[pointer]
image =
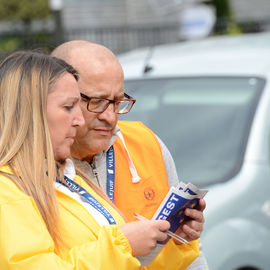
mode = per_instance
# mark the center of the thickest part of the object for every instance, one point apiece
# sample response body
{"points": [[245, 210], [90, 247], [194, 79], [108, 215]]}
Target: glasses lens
{"points": [[97, 104], [123, 106]]}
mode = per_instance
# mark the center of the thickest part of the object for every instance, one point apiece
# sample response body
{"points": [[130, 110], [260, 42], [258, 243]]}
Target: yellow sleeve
{"points": [[26, 244], [175, 257]]}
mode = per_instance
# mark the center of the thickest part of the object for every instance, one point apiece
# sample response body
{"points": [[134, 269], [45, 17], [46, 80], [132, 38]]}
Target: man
{"points": [[137, 171]]}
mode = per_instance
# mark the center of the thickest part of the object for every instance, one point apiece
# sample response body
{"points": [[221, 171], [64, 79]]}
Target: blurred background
{"points": [[200, 73], [123, 25]]}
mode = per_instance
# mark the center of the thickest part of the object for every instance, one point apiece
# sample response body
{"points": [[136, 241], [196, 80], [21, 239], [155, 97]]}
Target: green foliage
{"points": [[9, 44], [25, 10], [233, 29], [223, 8], [225, 22]]}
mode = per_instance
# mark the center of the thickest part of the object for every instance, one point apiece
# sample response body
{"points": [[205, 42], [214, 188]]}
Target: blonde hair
{"points": [[25, 144]]}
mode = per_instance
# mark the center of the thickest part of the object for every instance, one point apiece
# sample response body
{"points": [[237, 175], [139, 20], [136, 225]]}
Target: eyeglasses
{"points": [[99, 105]]}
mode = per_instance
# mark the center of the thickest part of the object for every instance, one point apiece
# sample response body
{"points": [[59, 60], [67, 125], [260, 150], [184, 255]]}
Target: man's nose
{"points": [[108, 115], [79, 119]]}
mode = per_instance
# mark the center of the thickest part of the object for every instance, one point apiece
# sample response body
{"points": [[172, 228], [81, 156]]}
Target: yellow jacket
{"points": [[26, 244]]}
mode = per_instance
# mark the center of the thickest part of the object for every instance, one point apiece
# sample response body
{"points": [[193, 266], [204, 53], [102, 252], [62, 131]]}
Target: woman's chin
{"points": [[61, 161], [62, 157]]}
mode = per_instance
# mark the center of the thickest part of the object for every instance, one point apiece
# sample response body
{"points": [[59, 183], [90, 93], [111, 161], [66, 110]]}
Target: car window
{"points": [[204, 122]]}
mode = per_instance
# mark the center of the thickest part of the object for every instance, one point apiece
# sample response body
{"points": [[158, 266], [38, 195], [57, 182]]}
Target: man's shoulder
{"points": [[130, 124], [128, 127], [137, 134]]}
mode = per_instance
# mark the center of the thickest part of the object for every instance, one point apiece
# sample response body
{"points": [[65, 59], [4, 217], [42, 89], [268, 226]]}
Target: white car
{"points": [[209, 101]]}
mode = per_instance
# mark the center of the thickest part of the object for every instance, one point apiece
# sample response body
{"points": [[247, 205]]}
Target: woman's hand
{"points": [[143, 235]]}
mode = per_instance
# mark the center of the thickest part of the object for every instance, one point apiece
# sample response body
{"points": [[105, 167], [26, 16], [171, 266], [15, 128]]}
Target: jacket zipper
{"points": [[94, 169]]}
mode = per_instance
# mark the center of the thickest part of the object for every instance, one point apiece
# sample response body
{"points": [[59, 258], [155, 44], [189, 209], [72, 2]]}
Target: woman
{"points": [[43, 224]]}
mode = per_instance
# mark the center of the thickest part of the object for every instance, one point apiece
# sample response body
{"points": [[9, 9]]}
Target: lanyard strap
{"points": [[87, 197], [110, 166]]}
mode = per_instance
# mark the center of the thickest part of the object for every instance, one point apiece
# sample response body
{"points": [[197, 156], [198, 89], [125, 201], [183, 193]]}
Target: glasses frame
{"points": [[111, 101]]}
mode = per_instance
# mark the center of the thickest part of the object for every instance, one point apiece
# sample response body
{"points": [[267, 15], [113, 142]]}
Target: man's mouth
{"points": [[103, 131]]}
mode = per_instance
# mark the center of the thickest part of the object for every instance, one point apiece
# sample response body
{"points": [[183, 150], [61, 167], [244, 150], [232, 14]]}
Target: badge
{"points": [[149, 193]]}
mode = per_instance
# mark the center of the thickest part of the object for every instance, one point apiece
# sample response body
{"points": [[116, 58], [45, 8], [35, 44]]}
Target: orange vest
{"points": [[145, 196]]}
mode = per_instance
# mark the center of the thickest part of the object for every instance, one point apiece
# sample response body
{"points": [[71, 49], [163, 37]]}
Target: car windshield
{"points": [[204, 122]]}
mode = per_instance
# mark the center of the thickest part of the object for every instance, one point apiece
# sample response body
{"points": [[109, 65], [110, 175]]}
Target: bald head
{"points": [[86, 56], [100, 76]]}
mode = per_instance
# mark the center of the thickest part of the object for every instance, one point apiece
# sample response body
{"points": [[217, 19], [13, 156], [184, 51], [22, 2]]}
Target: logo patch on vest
{"points": [[149, 193]]}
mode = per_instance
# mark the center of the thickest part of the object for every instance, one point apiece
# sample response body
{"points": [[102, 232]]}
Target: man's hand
{"points": [[192, 228]]}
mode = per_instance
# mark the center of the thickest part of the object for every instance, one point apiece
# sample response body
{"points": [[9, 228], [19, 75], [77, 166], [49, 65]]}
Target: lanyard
{"points": [[110, 166], [87, 197]]}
